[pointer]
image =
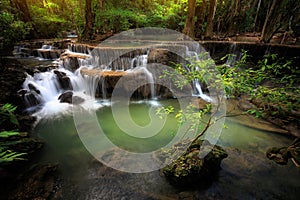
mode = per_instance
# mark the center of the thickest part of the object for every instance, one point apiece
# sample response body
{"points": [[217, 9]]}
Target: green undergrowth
{"points": [[9, 135], [272, 85]]}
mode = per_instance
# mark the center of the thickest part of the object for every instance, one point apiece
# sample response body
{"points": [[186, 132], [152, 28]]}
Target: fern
{"points": [[9, 156], [6, 134], [7, 112]]}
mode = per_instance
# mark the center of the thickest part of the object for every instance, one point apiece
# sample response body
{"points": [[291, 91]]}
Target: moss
{"points": [[189, 169]]}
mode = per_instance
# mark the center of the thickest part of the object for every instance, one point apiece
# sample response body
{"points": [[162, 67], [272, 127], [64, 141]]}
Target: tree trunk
{"points": [[100, 2], [190, 20], [266, 34], [89, 21], [256, 15], [210, 20], [200, 16]]}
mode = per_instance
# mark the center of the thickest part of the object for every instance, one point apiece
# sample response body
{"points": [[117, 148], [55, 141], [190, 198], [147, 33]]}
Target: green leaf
{"points": [[6, 134]]}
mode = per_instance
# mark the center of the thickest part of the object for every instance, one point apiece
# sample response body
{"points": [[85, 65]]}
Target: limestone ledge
{"points": [[101, 73]]}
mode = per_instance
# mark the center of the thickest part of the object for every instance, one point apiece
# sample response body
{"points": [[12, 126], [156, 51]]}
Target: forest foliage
{"points": [[197, 18]]}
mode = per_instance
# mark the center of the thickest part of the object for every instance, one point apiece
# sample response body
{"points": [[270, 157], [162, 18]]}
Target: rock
{"points": [[49, 53], [22, 92], [165, 57], [71, 60], [67, 97], [30, 99], [33, 88], [77, 100], [191, 170], [63, 80]]}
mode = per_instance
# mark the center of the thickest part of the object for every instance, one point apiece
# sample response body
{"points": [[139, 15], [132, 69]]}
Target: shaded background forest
{"points": [[97, 19]]}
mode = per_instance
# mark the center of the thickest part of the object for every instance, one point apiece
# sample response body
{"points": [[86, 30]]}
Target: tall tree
{"points": [[190, 20], [210, 19], [89, 20], [200, 13]]}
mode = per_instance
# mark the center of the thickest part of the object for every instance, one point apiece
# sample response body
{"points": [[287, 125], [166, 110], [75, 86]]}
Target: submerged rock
{"points": [[191, 170]]}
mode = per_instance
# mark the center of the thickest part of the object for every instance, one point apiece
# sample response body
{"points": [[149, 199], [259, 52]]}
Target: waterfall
{"points": [[139, 64], [234, 55], [48, 90], [55, 91], [193, 57]]}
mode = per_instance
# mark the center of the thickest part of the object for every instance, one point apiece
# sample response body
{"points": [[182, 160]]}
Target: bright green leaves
{"points": [[6, 134], [9, 156], [271, 84], [9, 138], [7, 113], [163, 111]]}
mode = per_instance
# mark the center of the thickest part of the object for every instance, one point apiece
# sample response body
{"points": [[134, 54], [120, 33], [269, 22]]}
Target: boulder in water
{"points": [[33, 88], [22, 92], [28, 97], [31, 99], [67, 97], [191, 170], [63, 80]]}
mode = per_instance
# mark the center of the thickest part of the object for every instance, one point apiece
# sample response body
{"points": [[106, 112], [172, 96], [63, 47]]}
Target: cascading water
{"points": [[49, 88], [139, 64], [48, 92], [234, 55], [194, 58]]}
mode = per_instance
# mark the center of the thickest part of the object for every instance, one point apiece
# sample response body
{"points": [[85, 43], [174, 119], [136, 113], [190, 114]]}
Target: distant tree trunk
{"points": [[256, 15], [200, 16], [272, 22], [100, 2], [89, 21], [269, 13], [210, 20], [190, 20]]}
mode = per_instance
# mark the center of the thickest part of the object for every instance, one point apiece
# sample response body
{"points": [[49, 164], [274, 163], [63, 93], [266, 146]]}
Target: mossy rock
{"points": [[191, 170]]}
